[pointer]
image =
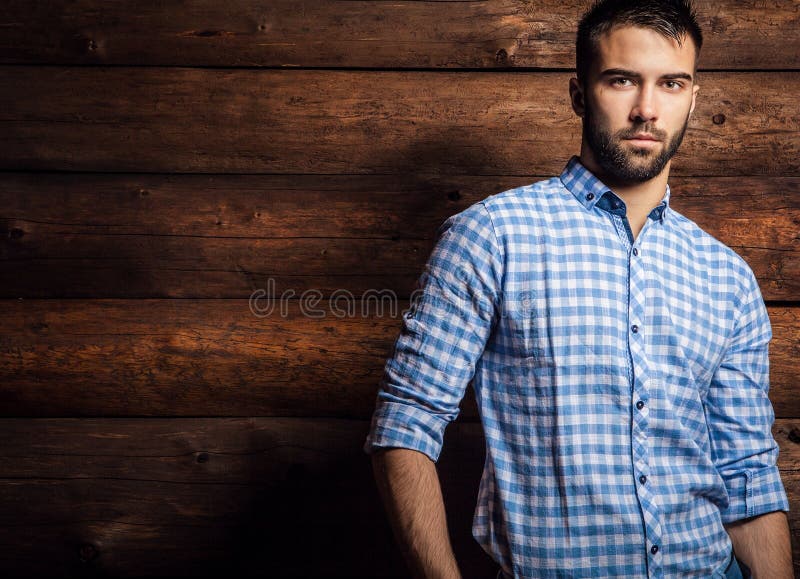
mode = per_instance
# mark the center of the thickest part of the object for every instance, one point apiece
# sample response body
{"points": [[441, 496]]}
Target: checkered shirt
{"points": [[622, 383]]}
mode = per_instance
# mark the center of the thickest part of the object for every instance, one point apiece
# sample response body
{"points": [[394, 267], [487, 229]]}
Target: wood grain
{"points": [[360, 122], [191, 498], [198, 150], [198, 496], [224, 236], [216, 358], [374, 34]]}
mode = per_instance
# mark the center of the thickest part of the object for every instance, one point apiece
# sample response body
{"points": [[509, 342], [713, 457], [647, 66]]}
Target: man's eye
{"points": [[620, 81], [673, 84]]}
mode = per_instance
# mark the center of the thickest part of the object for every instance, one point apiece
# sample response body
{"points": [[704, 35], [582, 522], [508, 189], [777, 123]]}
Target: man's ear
{"points": [[695, 88], [577, 97]]}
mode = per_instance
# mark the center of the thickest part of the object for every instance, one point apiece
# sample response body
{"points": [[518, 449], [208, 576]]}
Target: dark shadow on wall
{"points": [[323, 517]]}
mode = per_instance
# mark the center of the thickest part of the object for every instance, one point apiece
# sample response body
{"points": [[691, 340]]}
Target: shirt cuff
{"points": [[754, 492], [399, 425]]}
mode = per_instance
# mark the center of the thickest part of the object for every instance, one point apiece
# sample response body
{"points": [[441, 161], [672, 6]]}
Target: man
{"points": [[619, 353]]}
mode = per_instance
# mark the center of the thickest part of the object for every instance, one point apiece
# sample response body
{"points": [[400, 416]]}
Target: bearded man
{"points": [[618, 352]]}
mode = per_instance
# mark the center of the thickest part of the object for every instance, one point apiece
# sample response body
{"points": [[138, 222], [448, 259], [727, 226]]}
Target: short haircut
{"points": [[670, 18]]}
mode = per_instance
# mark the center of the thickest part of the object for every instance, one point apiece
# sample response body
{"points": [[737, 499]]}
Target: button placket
{"points": [[637, 344]]}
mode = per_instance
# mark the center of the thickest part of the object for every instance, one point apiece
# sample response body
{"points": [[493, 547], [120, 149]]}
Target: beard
{"points": [[626, 164]]}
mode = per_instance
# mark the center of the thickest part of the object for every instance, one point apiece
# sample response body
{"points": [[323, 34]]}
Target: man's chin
{"points": [[643, 159], [636, 168]]}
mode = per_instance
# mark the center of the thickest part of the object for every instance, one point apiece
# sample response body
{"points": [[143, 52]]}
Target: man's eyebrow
{"points": [[634, 74], [676, 75], [620, 72]]}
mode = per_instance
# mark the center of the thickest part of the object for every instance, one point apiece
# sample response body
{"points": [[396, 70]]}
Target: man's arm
{"points": [[740, 418], [763, 544], [441, 341], [409, 486]]}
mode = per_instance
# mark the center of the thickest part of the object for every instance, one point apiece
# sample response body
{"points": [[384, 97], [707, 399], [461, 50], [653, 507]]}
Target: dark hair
{"points": [[670, 18]]}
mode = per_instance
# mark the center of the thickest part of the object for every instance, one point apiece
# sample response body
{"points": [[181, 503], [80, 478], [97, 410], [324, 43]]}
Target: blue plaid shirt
{"points": [[621, 383]]}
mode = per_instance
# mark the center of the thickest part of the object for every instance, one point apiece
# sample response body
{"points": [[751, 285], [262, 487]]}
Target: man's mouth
{"points": [[643, 140], [642, 137]]}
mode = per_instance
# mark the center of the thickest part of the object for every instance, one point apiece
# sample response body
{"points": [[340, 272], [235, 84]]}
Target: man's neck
{"points": [[640, 197]]}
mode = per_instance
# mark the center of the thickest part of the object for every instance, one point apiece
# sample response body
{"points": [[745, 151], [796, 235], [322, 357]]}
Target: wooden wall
{"points": [[161, 161]]}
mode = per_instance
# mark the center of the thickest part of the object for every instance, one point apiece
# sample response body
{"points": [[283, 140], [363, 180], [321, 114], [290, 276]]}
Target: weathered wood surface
{"points": [[216, 358], [274, 496], [201, 497], [356, 170], [323, 122], [224, 236], [319, 33]]}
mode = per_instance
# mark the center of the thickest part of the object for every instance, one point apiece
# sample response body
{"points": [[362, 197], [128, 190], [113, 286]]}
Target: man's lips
{"points": [[643, 140], [642, 137]]}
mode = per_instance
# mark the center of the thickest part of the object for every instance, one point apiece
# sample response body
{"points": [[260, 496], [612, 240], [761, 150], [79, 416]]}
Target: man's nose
{"points": [[644, 109]]}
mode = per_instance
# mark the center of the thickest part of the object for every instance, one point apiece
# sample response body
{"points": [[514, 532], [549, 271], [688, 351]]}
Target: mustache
{"points": [[659, 134]]}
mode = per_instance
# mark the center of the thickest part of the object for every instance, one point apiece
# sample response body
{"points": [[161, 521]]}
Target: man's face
{"points": [[639, 95]]}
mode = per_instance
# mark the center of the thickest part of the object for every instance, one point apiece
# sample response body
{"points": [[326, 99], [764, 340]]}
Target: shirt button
{"points": [[635, 251], [589, 196], [642, 479], [635, 329], [654, 549], [640, 405]]}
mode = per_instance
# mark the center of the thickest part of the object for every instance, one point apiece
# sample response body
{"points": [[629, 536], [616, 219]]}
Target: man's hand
{"points": [[409, 486], [763, 544]]}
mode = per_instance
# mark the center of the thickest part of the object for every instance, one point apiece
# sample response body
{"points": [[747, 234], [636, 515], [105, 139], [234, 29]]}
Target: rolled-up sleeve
{"points": [[740, 415], [443, 334]]}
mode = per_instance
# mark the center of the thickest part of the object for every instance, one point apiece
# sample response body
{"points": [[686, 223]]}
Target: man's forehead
{"points": [[632, 47]]}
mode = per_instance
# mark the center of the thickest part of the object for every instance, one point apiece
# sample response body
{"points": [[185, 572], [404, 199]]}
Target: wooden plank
{"points": [[216, 358], [192, 498], [205, 495], [149, 496], [182, 357], [784, 355], [224, 236], [501, 33], [333, 122]]}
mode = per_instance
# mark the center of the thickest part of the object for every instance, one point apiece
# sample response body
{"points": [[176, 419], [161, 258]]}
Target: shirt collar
{"points": [[588, 189]]}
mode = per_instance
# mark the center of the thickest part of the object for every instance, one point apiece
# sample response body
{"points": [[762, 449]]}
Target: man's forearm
{"points": [[409, 486], [763, 544]]}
